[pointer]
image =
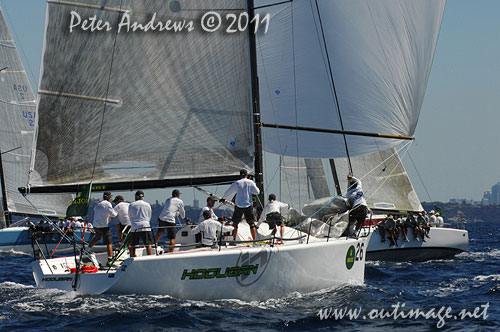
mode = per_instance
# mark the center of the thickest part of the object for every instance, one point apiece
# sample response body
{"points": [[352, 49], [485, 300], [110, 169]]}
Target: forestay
{"points": [[171, 104], [17, 126], [379, 54]]}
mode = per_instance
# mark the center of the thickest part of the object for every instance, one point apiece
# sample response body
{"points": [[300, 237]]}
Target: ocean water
{"points": [[470, 280]]}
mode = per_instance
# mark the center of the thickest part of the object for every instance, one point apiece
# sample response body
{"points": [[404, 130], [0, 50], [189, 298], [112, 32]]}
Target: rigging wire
{"points": [[364, 176], [295, 101], [333, 84], [421, 180], [407, 146], [106, 95], [273, 112]]}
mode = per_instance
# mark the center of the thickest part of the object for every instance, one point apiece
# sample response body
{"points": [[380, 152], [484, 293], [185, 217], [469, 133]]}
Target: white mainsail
{"points": [[171, 104], [379, 54], [17, 127]]}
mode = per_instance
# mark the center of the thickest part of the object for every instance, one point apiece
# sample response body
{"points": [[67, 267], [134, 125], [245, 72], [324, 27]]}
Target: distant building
{"points": [[486, 198], [495, 194], [492, 197]]}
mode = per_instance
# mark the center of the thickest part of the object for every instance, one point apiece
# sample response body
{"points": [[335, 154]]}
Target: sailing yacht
{"points": [[389, 192], [152, 110], [350, 72], [17, 128]]}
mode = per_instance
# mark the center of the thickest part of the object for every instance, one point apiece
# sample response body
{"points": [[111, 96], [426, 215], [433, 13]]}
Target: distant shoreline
{"points": [[470, 213]]}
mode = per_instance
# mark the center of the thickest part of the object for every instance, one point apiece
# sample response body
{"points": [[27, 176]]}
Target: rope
{"points": [[387, 178], [335, 97]]}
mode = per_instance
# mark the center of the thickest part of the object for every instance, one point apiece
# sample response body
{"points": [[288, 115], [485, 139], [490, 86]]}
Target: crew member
{"points": [[121, 209], [210, 205], [243, 188], [174, 207], [140, 216], [440, 220], [272, 215], [433, 222], [210, 229], [103, 211], [357, 204]]}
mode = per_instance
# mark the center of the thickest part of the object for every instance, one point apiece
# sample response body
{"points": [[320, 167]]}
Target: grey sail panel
{"points": [[380, 56], [3, 222], [384, 179], [178, 103], [17, 126], [302, 181]]}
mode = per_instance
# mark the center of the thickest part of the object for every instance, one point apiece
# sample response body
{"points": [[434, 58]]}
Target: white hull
{"points": [[249, 273], [443, 242]]}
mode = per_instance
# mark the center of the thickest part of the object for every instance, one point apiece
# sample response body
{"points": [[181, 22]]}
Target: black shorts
{"points": [[358, 214], [104, 233], [239, 212], [170, 228], [274, 219], [124, 228], [146, 237]]}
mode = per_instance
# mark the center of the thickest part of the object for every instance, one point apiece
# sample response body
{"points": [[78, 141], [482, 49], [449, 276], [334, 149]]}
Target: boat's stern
{"points": [[59, 273]]}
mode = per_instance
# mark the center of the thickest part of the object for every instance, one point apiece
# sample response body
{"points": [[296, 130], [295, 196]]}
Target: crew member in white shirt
{"points": [[440, 220], [140, 216], [174, 207], [243, 188], [272, 215], [210, 204], [103, 211], [433, 221], [121, 209], [210, 229]]}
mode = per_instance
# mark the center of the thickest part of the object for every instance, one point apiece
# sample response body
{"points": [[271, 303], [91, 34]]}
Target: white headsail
{"points": [[17, 127]]}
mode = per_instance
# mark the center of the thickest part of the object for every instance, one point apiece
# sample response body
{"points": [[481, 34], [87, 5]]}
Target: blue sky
{"points": [[457, 139]]}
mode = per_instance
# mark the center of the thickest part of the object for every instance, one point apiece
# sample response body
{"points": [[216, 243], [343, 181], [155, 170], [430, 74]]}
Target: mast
{"points": [[335, 176], [259, 178], [8, 216]]}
